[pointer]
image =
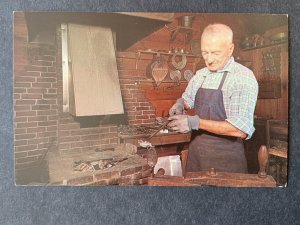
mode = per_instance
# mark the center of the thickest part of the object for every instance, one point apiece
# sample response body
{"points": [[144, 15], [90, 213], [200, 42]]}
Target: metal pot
{"points": [[186, 21]]}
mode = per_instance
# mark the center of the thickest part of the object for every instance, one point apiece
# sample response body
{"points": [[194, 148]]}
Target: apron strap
{"points": [[222, 81], [202, 82]]}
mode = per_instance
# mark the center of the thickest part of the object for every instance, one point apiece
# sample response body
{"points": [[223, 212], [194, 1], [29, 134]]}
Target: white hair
{"points": [[219, 29]]}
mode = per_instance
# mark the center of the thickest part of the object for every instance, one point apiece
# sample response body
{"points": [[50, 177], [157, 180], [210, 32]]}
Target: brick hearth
{"points": [[132, 171]]}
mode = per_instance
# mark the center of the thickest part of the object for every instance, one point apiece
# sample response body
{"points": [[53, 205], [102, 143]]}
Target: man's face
{"points": [[216, 51]]}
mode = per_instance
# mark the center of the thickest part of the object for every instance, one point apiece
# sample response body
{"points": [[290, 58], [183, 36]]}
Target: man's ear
{"points": [[231, 48]]}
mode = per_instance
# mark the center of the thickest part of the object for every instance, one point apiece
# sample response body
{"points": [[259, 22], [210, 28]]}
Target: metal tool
{"points": [[161, 127]]}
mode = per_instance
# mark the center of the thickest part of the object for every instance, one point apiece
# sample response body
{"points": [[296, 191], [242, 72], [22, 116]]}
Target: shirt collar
{"points": [[228, 67]]}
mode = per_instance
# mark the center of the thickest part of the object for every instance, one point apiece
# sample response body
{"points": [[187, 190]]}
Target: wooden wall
{"points": [[276, 108], [159, 40], [266, 108]]}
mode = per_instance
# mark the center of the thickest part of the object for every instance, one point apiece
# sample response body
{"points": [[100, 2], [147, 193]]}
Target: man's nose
{"points": [[209, 58]]}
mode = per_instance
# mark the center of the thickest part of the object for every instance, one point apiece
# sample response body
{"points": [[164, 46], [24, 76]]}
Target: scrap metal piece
{"points": [[175, 75], [188, 74]]}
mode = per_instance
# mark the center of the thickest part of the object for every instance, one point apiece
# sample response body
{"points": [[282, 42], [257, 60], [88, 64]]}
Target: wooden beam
{"points": [[168, 17]]}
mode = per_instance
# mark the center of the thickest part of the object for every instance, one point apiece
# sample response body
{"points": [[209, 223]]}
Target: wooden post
{"points": [[263, 157]]}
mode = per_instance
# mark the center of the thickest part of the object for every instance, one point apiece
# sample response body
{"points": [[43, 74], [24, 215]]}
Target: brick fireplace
{"points": [[40, 123], [41, 126]]}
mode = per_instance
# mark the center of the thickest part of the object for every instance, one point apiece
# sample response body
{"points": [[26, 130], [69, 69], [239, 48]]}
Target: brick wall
{"points": [[40, 122], [35, 104], [35, 97], [138, 108]]}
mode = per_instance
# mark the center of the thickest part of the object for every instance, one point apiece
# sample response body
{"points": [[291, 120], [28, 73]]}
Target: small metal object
{"points": [[138, 55], [195, 47], [181, 64], [175, 75], [212, 172], [152, 158], [160, 172], [188, 74], [159, 70], [186, 21], [279, 37]]}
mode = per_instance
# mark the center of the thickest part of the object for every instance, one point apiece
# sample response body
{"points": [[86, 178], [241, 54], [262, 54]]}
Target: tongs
{"points": [[159, 129]]}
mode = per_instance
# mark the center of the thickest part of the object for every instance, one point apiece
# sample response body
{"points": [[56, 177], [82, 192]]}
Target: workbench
{"points": [[205, 178], [165, 143], [219, 178]]}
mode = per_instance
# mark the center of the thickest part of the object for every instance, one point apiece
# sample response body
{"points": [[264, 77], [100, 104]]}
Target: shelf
{"points": [[280, 152], [264, 46], [164, 53], [167, 82]]}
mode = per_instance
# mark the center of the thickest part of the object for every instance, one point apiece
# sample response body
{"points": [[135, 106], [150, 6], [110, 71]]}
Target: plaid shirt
{"points": [[240, 91]]}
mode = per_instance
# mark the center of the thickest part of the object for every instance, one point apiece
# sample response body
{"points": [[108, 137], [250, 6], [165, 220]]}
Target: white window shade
{"points": [[94, 82]]}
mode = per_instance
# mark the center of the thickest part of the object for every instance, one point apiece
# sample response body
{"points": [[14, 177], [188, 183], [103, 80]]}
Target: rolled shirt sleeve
{"points": [[242, 103]]}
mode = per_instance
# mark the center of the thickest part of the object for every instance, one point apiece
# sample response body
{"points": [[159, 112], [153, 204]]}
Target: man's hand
{"points": [[177, 108], [184, 123]]}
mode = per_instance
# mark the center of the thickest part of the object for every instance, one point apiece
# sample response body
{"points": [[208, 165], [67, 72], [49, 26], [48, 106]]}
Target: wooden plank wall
{"points": [[159, 40], [276, 108]]}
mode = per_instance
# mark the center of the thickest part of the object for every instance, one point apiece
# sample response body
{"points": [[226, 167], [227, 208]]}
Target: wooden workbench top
{"points": [[158, 139], [204, 178]]}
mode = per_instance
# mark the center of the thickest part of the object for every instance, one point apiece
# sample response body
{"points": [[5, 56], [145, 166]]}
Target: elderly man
{"points": [[224, 96]]}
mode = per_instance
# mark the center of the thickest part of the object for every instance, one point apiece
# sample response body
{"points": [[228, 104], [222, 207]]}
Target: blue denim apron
{"points": [[208, 150]]}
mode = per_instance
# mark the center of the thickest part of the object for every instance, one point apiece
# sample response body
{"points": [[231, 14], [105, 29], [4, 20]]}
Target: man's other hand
{"points": [[184, 123]]}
